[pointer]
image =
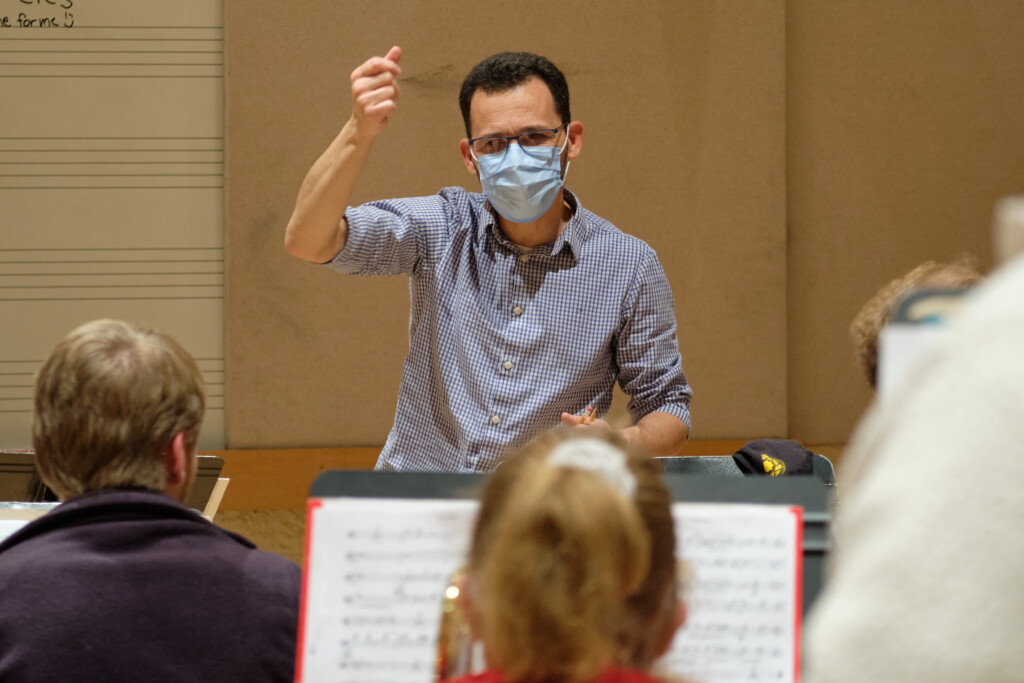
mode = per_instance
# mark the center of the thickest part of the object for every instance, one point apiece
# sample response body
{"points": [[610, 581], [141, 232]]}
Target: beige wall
{"points": [[879, 133], [903, 128], [683, 110]]}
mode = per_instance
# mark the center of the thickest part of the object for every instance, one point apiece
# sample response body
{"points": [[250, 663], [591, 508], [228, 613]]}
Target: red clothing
{"points": [[611, 675]]}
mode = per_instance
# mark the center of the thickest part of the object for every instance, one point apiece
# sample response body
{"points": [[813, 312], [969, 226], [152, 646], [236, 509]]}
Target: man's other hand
{"points": [[375, 92]]}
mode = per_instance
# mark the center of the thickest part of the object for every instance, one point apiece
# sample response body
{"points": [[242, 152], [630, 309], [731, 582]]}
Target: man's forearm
{"points": [[659, 433], [317, 230]]}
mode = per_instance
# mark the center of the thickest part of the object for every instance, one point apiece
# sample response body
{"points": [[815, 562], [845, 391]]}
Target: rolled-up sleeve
{"points": [[393, 236], [650, 367]]}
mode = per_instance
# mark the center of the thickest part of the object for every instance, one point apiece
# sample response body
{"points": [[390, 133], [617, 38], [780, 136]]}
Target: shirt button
{"points": [[508, 365], [517, 310], [495, 419], [526, 258]]}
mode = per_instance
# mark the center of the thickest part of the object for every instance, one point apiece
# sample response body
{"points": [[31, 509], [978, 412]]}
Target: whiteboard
{"points": [[111, 183]]}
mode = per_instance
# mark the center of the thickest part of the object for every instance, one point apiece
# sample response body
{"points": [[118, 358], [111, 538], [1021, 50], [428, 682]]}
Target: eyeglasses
{"points": [[534, 139]]}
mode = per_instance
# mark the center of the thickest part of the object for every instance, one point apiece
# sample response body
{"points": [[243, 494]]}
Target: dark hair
{"points": [[505, 71]]}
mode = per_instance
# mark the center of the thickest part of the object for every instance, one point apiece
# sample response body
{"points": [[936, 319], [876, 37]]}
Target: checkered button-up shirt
{"points": [[503, 340]]}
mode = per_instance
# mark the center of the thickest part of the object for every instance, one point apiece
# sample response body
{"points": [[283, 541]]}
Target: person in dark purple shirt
{"points": [[121, 581]]}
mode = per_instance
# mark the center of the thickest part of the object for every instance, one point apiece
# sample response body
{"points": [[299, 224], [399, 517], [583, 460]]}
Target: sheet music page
{"points": [[377, 571], [743, 604], [9, 526], [901, 348], [111, 183]]}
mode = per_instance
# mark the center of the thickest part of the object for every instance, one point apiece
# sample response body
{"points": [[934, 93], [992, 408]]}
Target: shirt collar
{"points": [[573, 234], [575, 229]]}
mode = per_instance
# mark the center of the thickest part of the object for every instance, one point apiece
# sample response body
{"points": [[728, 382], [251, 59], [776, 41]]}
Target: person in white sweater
{"points": [[926, 582]]}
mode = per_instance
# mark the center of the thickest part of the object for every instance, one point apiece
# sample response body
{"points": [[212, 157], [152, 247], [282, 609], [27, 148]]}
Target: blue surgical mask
{"points": [[522, 185]]}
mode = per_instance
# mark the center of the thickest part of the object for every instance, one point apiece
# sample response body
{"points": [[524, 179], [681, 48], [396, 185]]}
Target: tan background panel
{"points": [[683, 108], [903, 127], [784, 158]]}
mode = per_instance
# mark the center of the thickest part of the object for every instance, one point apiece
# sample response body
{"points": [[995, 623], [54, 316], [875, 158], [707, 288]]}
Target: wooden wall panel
{"points": [[903, 128], [683, 105]]}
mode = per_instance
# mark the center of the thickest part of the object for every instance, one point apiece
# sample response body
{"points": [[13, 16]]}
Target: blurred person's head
{"points": [[117, 406], [876, 313], [572, 567]]}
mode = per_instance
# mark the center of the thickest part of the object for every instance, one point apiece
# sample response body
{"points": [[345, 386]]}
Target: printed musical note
{"points": [[743, 605], [378, 567], [378, 570]]}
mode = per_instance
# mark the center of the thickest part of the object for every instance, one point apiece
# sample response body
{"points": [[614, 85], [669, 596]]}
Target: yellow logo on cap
{"points": [[773, 466]]}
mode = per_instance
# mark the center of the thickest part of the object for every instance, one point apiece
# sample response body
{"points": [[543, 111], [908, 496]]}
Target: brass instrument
{"points": [[455, 643]]}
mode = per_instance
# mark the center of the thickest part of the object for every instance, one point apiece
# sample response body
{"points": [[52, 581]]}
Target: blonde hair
{"points": [[108, 402], [568, 575], [876, 312]]}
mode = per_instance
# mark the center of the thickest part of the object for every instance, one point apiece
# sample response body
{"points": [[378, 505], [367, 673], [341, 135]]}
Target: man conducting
{"points": [[120, 582], [525, 307]]}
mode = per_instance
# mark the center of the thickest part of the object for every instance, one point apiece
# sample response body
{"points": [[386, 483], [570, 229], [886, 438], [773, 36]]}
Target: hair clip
{"points": [[599, 457]]}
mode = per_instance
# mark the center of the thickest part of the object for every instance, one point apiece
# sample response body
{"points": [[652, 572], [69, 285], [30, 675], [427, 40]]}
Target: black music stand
{"points": [[810, 493]]}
